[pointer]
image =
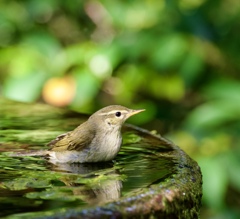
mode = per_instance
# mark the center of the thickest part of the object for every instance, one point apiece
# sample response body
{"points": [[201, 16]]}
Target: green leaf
{"points": [[215, 181]]}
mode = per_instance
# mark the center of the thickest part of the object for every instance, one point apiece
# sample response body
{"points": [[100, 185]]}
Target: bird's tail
{"points": [[32, 153]]}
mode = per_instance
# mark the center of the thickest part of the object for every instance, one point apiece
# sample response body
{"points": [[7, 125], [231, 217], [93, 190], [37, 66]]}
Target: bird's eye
{"points": [[118, 114]]}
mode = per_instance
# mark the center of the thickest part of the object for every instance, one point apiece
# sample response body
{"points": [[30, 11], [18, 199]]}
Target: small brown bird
{"points": [[96, 140]]}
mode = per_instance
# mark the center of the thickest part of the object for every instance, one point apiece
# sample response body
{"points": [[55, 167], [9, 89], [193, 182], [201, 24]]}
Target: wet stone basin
{"points": [[150, 178]]}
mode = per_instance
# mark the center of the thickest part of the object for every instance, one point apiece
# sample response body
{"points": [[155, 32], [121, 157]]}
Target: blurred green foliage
{"points": [[178, 59]]}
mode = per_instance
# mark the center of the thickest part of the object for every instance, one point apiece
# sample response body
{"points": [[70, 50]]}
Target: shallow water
{"points": [[31, 184]]}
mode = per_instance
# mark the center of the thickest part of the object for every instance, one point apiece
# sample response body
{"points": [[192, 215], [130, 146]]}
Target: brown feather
{"points": [[77, 140]]}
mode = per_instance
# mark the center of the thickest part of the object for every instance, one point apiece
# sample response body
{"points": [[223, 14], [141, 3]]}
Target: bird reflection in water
{"points": [[102, 181]]}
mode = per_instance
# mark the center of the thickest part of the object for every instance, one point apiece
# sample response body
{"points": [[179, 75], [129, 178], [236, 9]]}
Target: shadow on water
{"points": [[32, 186]]}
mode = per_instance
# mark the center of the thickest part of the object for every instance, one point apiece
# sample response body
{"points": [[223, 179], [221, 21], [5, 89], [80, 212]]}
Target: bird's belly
{"points": [[67, 157]]}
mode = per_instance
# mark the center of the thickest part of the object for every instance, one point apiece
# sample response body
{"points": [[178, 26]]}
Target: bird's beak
{"points": [[133, 112]]}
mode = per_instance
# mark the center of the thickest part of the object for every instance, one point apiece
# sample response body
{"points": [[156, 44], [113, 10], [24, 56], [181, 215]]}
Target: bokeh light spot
{"points": [[59, 91]]}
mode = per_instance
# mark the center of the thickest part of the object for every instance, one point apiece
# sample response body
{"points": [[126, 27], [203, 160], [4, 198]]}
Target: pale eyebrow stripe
{"points": [[113, 112]]}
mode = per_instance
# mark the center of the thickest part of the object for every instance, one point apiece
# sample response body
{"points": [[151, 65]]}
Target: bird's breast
{"points": [[106, 146]]}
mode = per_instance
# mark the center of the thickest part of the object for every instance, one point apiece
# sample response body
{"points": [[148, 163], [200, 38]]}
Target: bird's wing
{"points": [[60, 143], [77, 139]]}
